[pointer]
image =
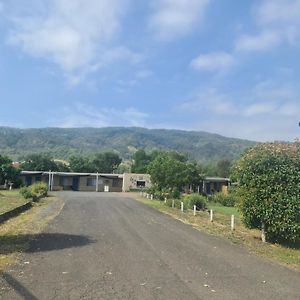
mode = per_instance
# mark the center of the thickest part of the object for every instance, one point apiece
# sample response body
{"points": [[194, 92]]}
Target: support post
{"points": [[181, 205], [232, 222], [151, 197], [52, 180], [263, 232], [165, 199], [173, 203], [97, 182], [195, 208], [211, 215], [49, 181]]}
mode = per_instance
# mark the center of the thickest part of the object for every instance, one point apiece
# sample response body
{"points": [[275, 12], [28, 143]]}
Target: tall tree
{"points": [[7, 172], [223, 167], [42, 162], [141, 161], [106, 162]]}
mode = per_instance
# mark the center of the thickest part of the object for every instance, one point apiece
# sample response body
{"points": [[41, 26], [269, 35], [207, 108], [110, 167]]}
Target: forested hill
{"points": [[63, 142]]}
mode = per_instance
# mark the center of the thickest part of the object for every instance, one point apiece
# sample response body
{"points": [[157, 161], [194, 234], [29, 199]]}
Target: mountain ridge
{"points": [[63, 142]]}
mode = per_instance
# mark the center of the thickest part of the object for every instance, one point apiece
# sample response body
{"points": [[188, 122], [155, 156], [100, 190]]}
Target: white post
{"points": [[97, 182], [263, 232], [52, 180], [198, 189], [165, 199], [151, 197], [181, 204], [173, 203], [49, 181], [232, 222], [147, 196], [211, 215], [195, 208]]}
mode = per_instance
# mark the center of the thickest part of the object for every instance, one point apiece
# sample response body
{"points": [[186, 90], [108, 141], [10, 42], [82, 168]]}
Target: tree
{"points": [[269, 185], [141, 161], [106, 162], [7, 172], [42, 162], [80, 164], [223, 168], [173, 173]]}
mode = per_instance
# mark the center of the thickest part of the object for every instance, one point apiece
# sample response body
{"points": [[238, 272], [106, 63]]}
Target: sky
{"points": [[222, 66]]}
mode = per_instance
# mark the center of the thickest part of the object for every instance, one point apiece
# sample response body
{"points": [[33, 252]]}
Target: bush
{"points": [[195, 199], [177, 203], [269, 183], [35, 191], [26, 192], [225, 199]]}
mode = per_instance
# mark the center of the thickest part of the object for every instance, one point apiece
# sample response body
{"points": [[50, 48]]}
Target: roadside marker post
{"points": [[147, 196], [165, 199], [232, 222], [195, 208], [181, 204], [151, 197], [173, 203], [211, 215]]}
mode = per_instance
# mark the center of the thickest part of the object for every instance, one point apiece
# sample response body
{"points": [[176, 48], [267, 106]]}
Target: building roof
{"points": [[216, 179], [107, 175]]}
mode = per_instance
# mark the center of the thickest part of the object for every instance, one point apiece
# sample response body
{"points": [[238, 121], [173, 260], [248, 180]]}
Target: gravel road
{"points": [[108, 246]]}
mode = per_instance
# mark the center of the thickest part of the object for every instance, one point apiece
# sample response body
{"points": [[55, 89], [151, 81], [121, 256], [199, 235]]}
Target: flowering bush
{"points": [[269, 186]]}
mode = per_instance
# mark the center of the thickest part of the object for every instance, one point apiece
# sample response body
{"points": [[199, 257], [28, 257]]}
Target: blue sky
{"points": [[223, 66]]}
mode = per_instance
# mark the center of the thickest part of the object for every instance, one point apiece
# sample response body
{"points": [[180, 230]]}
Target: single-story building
{"points": [[213, 185], [99, 182]]}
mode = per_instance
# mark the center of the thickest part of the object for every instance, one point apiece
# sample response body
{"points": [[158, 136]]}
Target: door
{"points": [[28, 180], [75, 183]]}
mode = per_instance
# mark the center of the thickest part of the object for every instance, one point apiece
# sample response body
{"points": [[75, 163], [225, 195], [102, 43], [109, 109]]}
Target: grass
{"points": [[250, 238], [10, 200], [15, 233]]}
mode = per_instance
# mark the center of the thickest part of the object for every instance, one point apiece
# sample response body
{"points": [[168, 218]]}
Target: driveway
{"points": [[107, 246]]}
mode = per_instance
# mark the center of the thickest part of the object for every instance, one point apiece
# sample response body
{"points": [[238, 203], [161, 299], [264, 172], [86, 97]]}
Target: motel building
{"points": [[101, 182], [98, 182]]}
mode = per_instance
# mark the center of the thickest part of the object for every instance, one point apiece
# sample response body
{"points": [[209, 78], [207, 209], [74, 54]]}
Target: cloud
{"points": [[213, 61], [175, 18], [83, 115], [278, 22], [269, 110], [76, 35], [264, 41]]}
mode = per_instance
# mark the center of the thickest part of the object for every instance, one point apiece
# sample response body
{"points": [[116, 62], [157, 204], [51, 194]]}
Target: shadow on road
{"points": [[18, 287], [41, 242]]}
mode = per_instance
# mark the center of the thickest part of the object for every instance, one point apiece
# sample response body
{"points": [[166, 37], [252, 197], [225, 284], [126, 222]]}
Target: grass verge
{"points": [[10, 200], [16, 233], [287, 256]]}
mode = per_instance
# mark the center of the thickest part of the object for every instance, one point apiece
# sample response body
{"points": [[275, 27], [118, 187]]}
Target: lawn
{"points": [[10, 200]]}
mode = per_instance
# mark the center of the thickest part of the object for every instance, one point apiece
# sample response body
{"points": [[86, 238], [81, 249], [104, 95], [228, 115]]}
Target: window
{"points": [[38, 178], [91, 182], [140, 183]]}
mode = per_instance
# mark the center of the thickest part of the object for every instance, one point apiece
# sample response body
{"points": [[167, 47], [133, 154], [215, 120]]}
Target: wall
{"points": [[130, 181]]}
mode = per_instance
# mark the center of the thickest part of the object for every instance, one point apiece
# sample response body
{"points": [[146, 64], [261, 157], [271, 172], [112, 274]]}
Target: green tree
{"points": [[140, 161], [80, 164], [223, 168], [7, 172], [106, 162], [41, 162], [269, 186]]}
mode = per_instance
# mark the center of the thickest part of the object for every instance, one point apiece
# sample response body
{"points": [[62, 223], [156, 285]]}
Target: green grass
{"points": [[223, 214], [10, 200]]}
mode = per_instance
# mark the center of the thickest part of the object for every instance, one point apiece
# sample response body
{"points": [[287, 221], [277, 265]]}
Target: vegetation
{"points": [[106, 162], [62, 143], [10, 200], [229, 200], [269, 183], [8, 174], [34, 191], [170, 172], [195, 199], [42, 162]]}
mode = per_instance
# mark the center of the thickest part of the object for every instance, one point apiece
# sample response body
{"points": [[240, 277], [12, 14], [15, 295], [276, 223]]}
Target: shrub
{"points": [[177, 203], [26, 192], [35, 191], [195, 199], [225, 199], [269, 183]]}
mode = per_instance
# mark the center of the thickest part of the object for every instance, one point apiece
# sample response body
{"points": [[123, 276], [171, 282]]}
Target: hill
{"points": [[63, 142]]}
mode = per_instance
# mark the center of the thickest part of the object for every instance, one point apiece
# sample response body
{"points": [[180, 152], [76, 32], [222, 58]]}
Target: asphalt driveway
{"points": [[107, 246]]}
